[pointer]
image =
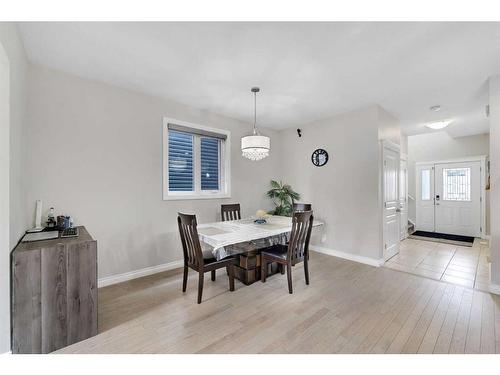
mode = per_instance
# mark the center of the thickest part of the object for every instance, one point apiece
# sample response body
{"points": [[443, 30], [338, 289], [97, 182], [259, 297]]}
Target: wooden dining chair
{"points": [[302, 207], [295, 252], [230, 212], [195, 258]]}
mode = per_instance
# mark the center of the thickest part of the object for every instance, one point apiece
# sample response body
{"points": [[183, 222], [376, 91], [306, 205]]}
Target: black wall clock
{"points": [[319, 157]]}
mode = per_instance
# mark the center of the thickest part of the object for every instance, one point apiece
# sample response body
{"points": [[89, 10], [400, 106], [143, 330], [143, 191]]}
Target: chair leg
{"points": [[185, 279], [289, 277], [306, 270], [213, 275], [230, 272], [263, 270], [200, 286], [282, 268]]}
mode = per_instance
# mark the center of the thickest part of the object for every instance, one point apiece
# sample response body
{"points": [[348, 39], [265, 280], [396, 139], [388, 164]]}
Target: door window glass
{"points": [[425, 184], [456, 184]]}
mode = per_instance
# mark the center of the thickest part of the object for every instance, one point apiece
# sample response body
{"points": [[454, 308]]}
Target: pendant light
{"points": [[255, 147]]}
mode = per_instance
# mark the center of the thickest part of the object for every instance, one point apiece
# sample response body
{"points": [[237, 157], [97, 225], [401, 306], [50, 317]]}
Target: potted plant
{"points": [[283, 197]]}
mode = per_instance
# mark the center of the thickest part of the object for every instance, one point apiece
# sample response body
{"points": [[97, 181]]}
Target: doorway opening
{"points": [[449, 197], [443, 189]]}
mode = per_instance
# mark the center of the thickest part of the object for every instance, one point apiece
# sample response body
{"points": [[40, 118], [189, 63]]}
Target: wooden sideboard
{"points": [[54, 293]]}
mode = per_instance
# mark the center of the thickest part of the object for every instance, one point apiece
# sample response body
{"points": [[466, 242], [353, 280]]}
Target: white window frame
{"points": [[224, 160]]}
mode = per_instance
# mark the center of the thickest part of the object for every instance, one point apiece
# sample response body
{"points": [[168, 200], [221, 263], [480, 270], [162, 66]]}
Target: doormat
{"points": [[444, 238]]}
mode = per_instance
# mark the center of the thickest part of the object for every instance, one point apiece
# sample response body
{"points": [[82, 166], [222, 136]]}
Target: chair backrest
{"points": [[191, 246], [298, 246], [302, 207], [230, 212]]}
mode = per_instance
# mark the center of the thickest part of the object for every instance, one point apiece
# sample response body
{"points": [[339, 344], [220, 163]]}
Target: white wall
{"points": [[437, 146], [494, 98], [95, 153], [4, 199], [345, 192], [11, 150], [403, 142], [388, 126], [9, 37]]}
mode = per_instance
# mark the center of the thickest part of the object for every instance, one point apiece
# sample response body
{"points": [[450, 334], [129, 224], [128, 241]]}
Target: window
{"points": [[456, 184], [195, 162], [425, 184], [210, 151], [180, 161]]}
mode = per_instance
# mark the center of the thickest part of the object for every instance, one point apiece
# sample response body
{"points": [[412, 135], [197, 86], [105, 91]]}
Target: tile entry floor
{"points": [[462, 265]]}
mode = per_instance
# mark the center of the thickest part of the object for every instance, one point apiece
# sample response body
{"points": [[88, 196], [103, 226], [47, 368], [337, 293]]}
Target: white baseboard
{"points": [[348, 256], [115, 279], [495, 289]]}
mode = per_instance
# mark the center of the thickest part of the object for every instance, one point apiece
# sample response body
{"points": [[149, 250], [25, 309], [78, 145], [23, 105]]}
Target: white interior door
{"points": [[391, 217], [425, 197], [457, 197], [403, 198]]}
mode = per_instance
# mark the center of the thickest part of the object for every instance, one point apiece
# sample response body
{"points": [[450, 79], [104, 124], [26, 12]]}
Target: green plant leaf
{"points": [[283, 197]]}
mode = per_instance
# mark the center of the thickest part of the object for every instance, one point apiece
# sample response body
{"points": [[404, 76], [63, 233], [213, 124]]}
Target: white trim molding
{"points": [[391, 145], [481, 158], [495, 289], [115, 279], [348, 256]]}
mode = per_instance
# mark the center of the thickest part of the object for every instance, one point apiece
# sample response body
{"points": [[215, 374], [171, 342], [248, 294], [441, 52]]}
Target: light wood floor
{"points": [[347, 308]]}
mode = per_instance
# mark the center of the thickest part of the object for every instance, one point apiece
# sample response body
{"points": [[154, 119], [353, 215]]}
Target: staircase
{"points": [[411, 227]]}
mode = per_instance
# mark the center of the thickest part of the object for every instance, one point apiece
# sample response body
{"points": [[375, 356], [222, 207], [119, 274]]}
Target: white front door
{"points": [[425, 197], [391, 201], [457, 197], [403, 198]]}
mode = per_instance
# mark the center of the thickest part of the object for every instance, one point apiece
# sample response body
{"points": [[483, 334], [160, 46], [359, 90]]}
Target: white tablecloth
{"points": [[220, 235]]}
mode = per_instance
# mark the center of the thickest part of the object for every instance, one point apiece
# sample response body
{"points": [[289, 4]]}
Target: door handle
{"points": [[398, 210]]}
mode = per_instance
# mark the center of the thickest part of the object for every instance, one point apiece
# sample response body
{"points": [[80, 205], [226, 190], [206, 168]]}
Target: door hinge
{"points": [[480, 199], [385, 246], [385, 162], [481, 229]]}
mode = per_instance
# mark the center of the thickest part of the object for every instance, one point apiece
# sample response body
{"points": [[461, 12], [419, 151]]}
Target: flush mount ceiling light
{"points": [[436, 125], [255, 147]]}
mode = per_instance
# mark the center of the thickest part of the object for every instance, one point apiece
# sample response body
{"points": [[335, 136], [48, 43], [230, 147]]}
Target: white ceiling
{"points": [[307, 71]]}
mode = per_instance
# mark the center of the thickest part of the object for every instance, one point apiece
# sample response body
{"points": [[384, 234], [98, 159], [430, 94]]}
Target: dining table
{"points": [[243, 239]]}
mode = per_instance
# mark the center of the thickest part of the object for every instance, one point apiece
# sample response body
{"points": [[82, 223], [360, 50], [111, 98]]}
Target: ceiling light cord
{"points": [[255, 113]]}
